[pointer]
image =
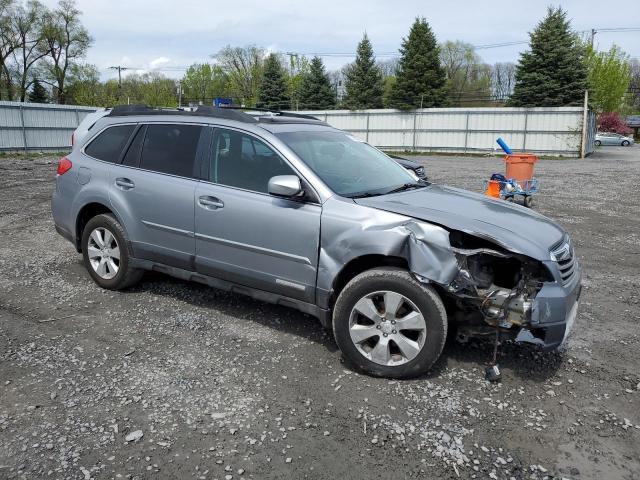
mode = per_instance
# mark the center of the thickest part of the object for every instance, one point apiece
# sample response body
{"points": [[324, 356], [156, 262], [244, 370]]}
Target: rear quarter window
{"points": [[108, 145], [171, 148]]}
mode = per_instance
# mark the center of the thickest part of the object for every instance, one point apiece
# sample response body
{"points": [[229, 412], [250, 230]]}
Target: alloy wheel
{"points": [[104, 253], [387, 328]]}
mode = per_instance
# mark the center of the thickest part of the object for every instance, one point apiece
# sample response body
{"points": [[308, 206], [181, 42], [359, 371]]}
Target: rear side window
{"points": [[108, 145], [171, 149], [132, 157]]}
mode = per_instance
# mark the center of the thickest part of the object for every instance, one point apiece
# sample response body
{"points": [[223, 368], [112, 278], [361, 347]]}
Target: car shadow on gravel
{"points": [[519, 360], [283, 319]]}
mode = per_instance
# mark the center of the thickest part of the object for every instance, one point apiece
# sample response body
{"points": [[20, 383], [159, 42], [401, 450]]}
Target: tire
{"points": [[423, 343], [597, 143], [528, 201], [123, 275], [510, 199], [625, 143]]}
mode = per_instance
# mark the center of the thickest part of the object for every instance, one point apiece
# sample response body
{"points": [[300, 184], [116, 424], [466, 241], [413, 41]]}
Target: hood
{"points": [[514, 227]]}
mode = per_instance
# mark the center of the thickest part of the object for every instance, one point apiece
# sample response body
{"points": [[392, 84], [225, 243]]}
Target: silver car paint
{"points": [[292, 249], [613, 139]]}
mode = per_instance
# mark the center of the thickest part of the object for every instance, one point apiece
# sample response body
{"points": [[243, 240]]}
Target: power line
{"points": [[592, 32]]}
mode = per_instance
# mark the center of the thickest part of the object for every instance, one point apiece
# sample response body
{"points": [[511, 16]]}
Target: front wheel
{"points": [[597, 143], [105, 254], [390, 325], [625, 143]]}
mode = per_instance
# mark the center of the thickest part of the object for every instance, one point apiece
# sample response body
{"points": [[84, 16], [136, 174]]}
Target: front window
{"points": [[242, 161], [349, 167]]}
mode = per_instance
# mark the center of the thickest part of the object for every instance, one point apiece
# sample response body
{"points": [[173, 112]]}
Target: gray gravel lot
{"points": [[176, 380]]}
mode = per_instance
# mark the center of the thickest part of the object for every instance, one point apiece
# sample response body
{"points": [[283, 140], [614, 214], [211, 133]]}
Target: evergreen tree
{"points": [[420, 79], [273, 87], [363, 85], [553, 72], [316, 91], [38, 93]]}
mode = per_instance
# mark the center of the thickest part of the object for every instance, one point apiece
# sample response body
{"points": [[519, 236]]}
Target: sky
{"points": [[168, 35]]}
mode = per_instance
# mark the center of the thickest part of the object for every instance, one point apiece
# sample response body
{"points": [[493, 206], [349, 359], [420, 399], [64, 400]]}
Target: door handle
{"points": [[210, 203], [125, 183]]}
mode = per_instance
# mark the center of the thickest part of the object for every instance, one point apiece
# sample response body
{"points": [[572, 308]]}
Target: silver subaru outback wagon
{"points": [[289, 210]]}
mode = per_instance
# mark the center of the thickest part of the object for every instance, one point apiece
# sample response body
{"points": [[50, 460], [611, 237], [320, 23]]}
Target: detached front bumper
{"points": [[554, 310]]}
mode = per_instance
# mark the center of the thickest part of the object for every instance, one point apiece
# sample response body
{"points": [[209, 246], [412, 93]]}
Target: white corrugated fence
{"points": [[542, 130], [38, 126]]}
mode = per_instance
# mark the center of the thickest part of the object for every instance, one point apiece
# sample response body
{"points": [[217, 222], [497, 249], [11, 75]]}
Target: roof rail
{"points": [[281, 113], [202, 110], [133, 109]]}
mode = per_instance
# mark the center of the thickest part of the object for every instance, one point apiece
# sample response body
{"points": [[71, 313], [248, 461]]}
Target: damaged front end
{"points": [[491, 287], [490, 279], [494, 289]]}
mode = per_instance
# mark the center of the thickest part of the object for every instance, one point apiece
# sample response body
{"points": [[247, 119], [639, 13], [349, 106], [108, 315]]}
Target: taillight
{"points": [[64, 165]]}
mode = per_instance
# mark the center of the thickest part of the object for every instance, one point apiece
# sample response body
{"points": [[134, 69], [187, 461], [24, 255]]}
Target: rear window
{"points": [[171, 149], [108, 145]]}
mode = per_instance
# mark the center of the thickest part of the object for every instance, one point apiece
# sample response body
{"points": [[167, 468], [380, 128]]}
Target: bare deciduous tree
{"points": [[634, 86], [8, 43], [503, 79], [468, 79], [243, 66], [66, 41], [27, 23], [388, 67]]}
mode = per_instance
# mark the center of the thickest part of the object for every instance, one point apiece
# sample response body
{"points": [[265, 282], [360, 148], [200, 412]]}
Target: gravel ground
{"points": [[176, 380]]}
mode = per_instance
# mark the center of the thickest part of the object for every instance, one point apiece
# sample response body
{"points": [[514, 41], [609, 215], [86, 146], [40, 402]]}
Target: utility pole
{"points": [[120, 70], [585, 124], [593, 34], [179, 93]]}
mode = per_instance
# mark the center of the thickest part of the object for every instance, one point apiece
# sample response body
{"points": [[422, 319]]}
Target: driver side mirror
{"points": [[285, 186]]}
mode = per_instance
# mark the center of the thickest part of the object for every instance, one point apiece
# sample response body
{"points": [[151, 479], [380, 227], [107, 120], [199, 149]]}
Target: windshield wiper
{"points": [[406, 186], [365, 194]]}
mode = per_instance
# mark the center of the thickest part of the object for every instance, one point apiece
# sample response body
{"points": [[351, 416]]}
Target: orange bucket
{"points": [[520, 166], [493, 189]]}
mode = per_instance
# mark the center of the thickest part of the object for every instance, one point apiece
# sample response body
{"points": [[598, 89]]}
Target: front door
{"points": [[243, 234]]}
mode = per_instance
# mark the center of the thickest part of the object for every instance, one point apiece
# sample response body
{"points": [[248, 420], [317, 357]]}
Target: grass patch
{"points": [[33, 154]]}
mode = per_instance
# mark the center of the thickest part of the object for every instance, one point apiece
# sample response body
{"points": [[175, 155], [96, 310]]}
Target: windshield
{"points": [[349, 167]]}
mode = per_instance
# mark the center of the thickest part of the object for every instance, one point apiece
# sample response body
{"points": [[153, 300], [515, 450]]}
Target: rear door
{"points": [[152, 190], [247, 236]]}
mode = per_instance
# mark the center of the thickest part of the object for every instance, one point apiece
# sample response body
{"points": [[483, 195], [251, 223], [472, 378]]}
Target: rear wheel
{"points": [[528, 201], [390, 325], [597, 143], [105, 254]]}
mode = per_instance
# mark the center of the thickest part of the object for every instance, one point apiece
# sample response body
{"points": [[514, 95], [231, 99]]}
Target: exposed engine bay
{"points": [[495, 289]]}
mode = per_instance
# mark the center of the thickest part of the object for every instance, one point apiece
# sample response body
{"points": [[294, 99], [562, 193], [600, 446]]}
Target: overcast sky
{"points": [[170, 34]]}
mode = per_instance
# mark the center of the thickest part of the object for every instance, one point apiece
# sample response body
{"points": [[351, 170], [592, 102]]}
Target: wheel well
{"points": [[362, 264], [87, 212]]}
